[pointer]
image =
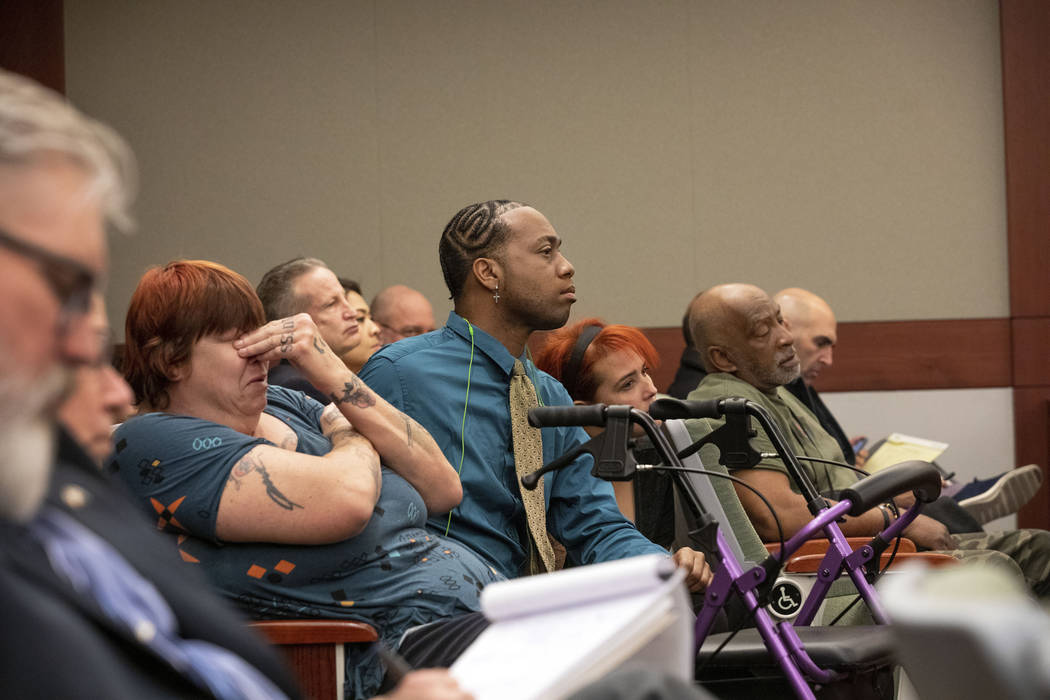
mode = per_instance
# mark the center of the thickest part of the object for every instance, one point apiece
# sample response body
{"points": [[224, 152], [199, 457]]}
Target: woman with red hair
{"points": [[292, 508], [600, 363]]}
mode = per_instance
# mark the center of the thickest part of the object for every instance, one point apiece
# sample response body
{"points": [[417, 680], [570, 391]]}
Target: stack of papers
{"points": [[554, 633]]}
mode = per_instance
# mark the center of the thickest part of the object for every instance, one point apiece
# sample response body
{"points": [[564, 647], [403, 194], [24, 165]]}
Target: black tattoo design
{"points": [[288, 324], [250, 464], [286, 343], [356, 394], [318, 345]]}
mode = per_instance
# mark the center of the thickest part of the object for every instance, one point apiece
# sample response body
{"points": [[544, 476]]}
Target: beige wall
{"points": [[848, 146]]}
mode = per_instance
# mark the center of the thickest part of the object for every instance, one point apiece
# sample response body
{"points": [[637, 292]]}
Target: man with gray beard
{"points": [[95, 603], [749, 351]]}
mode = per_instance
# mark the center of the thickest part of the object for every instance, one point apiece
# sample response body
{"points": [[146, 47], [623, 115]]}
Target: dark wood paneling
{"points": [[1025, 26], [1031, 355], [942, 354], [1032, 440], [1026, 114], [893, 355], [32, 40], [887, 355]]}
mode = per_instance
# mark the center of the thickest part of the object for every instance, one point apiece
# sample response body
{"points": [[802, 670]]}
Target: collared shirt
{"points": [[800, 427], [809, 396], [427, 378], [98, 571]]}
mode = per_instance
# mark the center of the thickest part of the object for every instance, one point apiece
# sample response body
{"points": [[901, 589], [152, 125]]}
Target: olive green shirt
{"points": [[800, 428]]}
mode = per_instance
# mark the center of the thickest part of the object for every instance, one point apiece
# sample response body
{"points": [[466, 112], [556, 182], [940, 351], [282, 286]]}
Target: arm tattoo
{"points": [[251, 463], [318, 345], [355, 393], [408, 430]]}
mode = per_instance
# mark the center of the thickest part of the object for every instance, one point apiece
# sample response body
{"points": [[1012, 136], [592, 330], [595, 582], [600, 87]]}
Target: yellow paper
{"points": [[901, 448]]}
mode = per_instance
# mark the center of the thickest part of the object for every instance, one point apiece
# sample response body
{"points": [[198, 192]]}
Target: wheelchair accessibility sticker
{"points": [[785, 599]]}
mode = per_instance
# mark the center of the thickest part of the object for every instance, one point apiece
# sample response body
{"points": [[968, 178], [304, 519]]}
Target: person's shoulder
{"points": [[796, 405], [717, 385], [288, 399], [148, 422], [407, 347], [555, 391], [408, 353]]}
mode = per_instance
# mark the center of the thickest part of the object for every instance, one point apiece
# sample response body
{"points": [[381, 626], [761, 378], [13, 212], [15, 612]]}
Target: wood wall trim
{"points": [[888, 355], [32, 40], [1025, 25], [1031, 351], [1026, 116], [894, 355]]}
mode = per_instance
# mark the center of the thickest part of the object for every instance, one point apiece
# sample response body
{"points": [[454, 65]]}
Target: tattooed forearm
{"points": [[250, 464], [408, 430], [340, 435], [355, 393]]}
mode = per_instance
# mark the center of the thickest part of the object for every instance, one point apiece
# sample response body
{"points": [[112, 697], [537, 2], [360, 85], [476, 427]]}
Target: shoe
{"points": [[1011, 491]]}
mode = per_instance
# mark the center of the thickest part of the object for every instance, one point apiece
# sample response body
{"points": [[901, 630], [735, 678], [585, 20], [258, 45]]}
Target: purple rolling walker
{"points": [[791, 644]]}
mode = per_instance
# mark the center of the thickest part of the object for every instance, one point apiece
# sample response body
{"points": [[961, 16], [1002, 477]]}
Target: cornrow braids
{"points": [[476, 231]]}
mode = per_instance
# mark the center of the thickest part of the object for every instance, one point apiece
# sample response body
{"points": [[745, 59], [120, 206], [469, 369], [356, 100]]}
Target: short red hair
{"points": [[172, 308], [553, 357]]}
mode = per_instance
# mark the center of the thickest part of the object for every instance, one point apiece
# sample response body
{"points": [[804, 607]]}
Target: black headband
{"points": [[568, 377]]}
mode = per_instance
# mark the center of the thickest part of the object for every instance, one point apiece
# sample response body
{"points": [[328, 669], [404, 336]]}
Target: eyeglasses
{"points": [[71, 282], [407, 331]]}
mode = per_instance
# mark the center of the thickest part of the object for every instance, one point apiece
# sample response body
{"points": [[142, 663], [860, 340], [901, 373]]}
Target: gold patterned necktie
{"points": [[528, 457]]}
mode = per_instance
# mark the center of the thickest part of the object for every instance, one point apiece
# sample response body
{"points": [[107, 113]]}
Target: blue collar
{"points": [[492, 348]]}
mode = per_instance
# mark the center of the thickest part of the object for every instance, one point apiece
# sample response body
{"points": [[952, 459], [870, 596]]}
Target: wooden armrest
{"points": [[809, 563], [820, 546], [314, 651], [286, 632]]}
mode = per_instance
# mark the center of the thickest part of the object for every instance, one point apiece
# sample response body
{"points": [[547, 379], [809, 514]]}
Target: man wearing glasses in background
{"points": [[401, 312]]}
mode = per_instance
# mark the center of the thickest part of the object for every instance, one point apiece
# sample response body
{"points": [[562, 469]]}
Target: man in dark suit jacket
{"points": [[95, 605]]}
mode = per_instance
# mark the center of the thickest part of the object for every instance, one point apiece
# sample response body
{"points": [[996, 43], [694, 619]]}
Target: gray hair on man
{"points": [[35, 121], [276, 289], [39, 129]]}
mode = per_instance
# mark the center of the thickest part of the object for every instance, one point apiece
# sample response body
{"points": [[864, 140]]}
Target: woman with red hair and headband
{"points": [[604, 363]]}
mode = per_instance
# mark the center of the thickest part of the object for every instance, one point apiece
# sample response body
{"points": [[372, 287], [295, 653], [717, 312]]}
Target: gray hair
{"points": [[277, 287], [35, 121]]}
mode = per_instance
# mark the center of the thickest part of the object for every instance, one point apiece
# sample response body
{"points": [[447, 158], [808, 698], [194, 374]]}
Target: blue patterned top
{"points": [[395, 574]]}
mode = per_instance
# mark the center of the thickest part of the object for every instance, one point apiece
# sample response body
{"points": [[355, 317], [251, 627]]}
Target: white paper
{"points": [[569, 587], [632, 612]]}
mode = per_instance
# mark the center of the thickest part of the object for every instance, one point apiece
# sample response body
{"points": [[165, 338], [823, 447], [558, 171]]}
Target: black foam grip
{"points": [[668, 409], [922, 478], [548, 416]]}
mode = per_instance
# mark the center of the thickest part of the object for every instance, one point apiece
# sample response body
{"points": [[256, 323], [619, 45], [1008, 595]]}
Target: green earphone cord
{"points": [[463, 421]]}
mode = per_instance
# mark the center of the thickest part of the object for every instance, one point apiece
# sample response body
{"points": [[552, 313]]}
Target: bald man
{"points": [[813, 325], [749, 351], [401, 312]]}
